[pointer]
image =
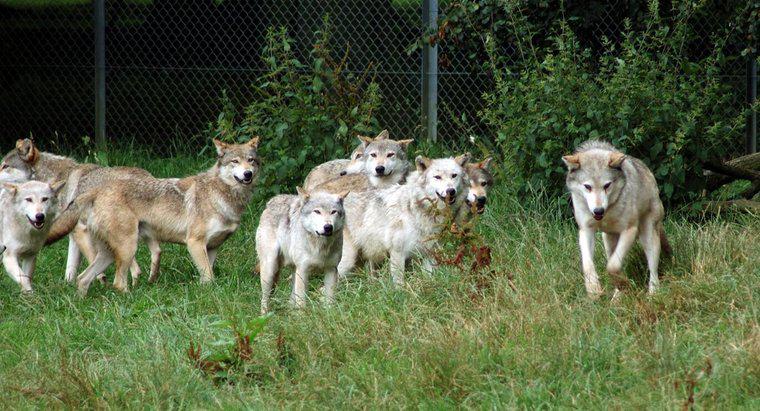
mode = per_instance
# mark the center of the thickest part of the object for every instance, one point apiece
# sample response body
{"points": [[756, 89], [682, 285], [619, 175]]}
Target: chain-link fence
{"points": [[167, 63]]}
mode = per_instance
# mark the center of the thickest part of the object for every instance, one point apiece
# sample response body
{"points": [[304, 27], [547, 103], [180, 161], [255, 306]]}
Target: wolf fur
{"points": [[305, 231], [401, 221], [336, 168], [26, 162], [201, 211], [616, 194], [26, 212]]}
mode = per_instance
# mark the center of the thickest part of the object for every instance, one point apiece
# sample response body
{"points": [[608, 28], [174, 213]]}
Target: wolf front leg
{"points": [[586, 243], [615, 263], [199, 254], [398, 264], [300, 284], [73, 260], [331, 283], [12, 267]]}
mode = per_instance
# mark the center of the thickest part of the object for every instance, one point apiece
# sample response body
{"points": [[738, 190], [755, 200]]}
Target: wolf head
{"points": [[356, 164], [33, 201], [442, 178], [18, 165], [322, 213], [383, 157], [481, 181], [238, 163], [597, 176]]}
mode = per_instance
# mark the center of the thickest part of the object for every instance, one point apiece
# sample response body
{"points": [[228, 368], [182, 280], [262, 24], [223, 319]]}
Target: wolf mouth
{"points": [[36, 224], [448, 200], [245, 181]]}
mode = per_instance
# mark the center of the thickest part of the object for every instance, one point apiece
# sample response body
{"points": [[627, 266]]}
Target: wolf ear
{"points": [[254, 142], [384, 135], [405, 143], [616, 159], [57, 186], [364, 139], [573, 162], [221, 146], [302, 193], [27, 151], [342, 196], [422, 163], [462, 159], [485, 164], [11, 188]]}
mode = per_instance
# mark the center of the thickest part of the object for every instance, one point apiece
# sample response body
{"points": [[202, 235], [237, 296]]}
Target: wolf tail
{"points": [[68, 219], [665, 244]]}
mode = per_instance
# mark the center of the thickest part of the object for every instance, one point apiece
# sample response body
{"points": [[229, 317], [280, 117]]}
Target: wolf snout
{"points": [[380, 170], [40, 218], [598, 213], [451, 192], [328, 229], [248, 174]]}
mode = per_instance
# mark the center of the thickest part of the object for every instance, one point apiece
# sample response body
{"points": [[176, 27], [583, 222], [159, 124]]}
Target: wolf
{"points": [[26, 212], [401, 221], [305, 231], [384, 165], [336, 168], [200, 211], [616, 194], [481, 181], [26, 162]]}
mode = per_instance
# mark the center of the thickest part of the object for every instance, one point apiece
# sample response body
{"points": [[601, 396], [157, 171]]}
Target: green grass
{"points": [[443, 342]]}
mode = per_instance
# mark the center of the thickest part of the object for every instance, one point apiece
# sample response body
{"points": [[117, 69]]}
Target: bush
{"points": [[643, 96], [305, 114]]}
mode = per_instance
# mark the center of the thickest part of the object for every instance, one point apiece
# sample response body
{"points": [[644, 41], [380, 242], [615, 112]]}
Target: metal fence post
{"points": [[430, 73], [100, 73], [751, 128]]}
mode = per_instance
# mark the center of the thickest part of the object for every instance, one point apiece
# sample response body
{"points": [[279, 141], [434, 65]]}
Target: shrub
{"points": [[305, 114], [642, 95]]}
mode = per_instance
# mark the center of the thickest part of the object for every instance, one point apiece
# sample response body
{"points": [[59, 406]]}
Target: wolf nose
{"points": [[39, 217], [599, 211], [481, 201], [452, 192], [247, 174], [380, 170], [328, 228]]}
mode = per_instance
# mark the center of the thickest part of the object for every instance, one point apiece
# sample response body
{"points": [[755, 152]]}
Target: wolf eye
{"points": [[588, 186], [44, 199], [317, 212], [4, 166], [391, 155], [437, 177], [251, 159], [606, 186], [334, 212], [235, 161], [28, 199], [485, 183], [454, 175], [358, 156], [373, 155]]}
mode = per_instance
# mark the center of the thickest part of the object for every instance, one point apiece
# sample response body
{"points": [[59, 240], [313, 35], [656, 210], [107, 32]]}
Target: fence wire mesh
{"points": [[169, 62]]}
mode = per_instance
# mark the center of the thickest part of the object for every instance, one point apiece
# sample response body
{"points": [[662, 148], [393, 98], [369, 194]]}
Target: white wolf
{"points": [[304, 231], [27, 211], [401, 221], [617, 195]]}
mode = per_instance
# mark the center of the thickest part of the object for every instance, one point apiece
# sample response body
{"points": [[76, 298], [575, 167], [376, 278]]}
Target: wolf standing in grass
{"points": [[26, 213], [617, 195], [304, 231]]}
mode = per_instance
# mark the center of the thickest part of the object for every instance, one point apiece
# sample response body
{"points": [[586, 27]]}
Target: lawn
{"points": [[449, 339]]}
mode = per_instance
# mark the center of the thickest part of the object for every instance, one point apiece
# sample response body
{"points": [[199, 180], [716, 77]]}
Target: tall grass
{"points": [[444, 341]]}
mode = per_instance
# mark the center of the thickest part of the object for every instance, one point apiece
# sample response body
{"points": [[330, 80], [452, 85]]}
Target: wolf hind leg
{"points": [[649, 238]]}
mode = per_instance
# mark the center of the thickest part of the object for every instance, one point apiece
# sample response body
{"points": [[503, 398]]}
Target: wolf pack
{"points": [[373, 208]]}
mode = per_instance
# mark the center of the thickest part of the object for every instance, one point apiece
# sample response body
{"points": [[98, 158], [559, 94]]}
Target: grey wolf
{"points": [[481, 181], [201, 211], [305, 231], [401, 221], [26, 211], [26, 162], [336, 168], [383, 164], [616, 194]]}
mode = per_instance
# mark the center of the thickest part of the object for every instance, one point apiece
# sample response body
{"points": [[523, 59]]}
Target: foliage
{"points": [[305, 113], [642, 95]]}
